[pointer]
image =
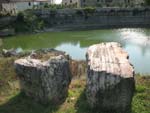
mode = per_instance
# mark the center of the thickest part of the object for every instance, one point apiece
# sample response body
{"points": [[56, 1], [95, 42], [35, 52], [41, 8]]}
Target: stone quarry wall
{"points": [[70, 2], [5, 21], [8, 8], [99, 18], [104, 2]]}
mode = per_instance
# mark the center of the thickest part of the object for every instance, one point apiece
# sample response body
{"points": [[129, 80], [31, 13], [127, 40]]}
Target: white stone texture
{"points": [[46, 81], [110, 78]]}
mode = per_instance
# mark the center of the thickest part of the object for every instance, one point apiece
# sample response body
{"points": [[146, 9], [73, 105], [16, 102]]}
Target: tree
{"points": [[147, 2]]}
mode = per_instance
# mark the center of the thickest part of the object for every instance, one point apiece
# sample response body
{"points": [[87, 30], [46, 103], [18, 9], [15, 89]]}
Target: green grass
{"points": [[12, 101], [141, 100], [1, 42], [15, 102]]}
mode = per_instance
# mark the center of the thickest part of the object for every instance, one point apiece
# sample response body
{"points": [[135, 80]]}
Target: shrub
{"points": [[27, 21], [89, 10], [99, 5], [147, 2], [79, 12], [46, 5], [20, 17]]}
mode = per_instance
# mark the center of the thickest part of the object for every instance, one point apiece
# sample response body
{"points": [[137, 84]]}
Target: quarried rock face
{"points": [[110, 78], [44, 81]]}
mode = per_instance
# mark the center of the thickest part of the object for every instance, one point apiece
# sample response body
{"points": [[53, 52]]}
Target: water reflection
{"points": [[74, 50], [139, 58], [135, 36], [135, 41]]}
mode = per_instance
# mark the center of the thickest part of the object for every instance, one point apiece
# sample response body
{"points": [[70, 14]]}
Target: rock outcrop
{"points": [[110, 78], [44, 81]]}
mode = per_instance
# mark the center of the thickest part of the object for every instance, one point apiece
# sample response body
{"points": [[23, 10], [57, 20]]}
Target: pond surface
{"points": [[135, 41]]}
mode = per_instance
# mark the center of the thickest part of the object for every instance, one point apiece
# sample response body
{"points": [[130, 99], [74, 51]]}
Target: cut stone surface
{"points": [[44, 81], [110, 78]]}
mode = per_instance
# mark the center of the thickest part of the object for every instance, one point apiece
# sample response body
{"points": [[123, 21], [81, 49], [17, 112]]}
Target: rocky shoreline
{"points": [[49, 62], [78, 67], [46, 73], [9, 79], [81, 19]]}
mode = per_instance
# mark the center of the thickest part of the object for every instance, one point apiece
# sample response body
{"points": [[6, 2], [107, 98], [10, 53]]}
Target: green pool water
{"points": [[135, 41]]}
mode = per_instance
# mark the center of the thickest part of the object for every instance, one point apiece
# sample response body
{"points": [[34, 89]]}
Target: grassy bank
{"points": [[1, 42], [12, 101], [141, 100], [15, 102]]}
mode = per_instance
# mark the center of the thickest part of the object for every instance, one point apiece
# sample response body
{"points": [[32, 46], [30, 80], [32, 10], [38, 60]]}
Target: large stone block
{"points": [[110, 78], [44, 81]]}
